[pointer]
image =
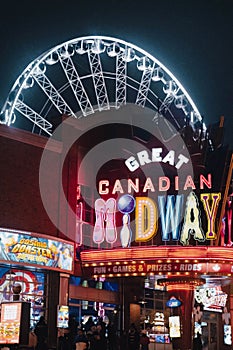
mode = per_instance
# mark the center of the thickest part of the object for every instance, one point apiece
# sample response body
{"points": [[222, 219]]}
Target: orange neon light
{"points": [[155, 253]]}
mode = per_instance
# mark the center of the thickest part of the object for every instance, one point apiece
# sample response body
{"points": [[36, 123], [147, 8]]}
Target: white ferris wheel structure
{"points": [[96, 73]]}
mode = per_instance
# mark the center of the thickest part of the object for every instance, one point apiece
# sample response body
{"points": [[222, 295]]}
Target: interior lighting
{"points": [[181, 281]]}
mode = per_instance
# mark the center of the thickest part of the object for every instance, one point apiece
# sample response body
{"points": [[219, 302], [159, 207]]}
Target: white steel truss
{"points": [[76, 85], [36, 118], [92, 90], [166, 102], [53, 94], [121, 74], [98, 80], [144, 87]]}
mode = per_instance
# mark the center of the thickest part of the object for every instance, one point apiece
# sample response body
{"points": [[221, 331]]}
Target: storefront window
{"points": [[30, 287]]}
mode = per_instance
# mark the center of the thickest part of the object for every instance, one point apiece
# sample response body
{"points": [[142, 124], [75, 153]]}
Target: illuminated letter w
{"points": [[171, 216]]}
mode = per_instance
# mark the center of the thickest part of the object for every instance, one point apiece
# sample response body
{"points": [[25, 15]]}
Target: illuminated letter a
{"points": [[192, 223]]}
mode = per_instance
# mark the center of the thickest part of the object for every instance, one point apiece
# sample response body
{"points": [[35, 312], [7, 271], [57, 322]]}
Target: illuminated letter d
{"points": [[146, 219]]}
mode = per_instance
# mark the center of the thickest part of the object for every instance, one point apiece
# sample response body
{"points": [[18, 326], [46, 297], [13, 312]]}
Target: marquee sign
{"points": [[180, 214], [33, 249], [150, 267]]}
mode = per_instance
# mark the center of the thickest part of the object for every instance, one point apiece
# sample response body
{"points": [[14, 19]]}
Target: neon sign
{"points": [[33, 249], [173, 302], [143, 158], [213, 298], [170, 208], [163, 184]]}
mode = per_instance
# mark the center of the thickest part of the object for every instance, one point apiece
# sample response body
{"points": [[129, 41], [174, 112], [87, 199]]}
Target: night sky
{"points": [[193, 39]]}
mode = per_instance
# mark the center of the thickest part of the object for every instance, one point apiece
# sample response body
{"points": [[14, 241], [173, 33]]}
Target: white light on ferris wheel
{"points": [[113, 49], [81, 47], [129, 54], [170, 88], [52, 59], [143, 63], [67, 51], [98, 46]]}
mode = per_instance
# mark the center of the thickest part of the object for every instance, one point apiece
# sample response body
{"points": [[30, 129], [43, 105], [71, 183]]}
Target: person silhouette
{"points": [[41, 331]]}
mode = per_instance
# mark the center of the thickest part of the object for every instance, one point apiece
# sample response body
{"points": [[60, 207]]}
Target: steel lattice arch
{"points": [[95, 73]]}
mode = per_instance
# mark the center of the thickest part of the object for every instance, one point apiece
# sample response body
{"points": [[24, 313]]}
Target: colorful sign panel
{"points": [[227, 339], [63, 316], [33, 249], [173, 302], [174, 326], [10, 323], [212, 298]]}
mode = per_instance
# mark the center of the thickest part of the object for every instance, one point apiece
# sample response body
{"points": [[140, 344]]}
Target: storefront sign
{"points": [[212, 298], [143, 157], [173, 302], [163, 268], [33, 249], [171, 209]]}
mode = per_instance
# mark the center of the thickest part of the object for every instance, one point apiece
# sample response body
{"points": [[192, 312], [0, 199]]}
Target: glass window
{"points": [[24, 285]]}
